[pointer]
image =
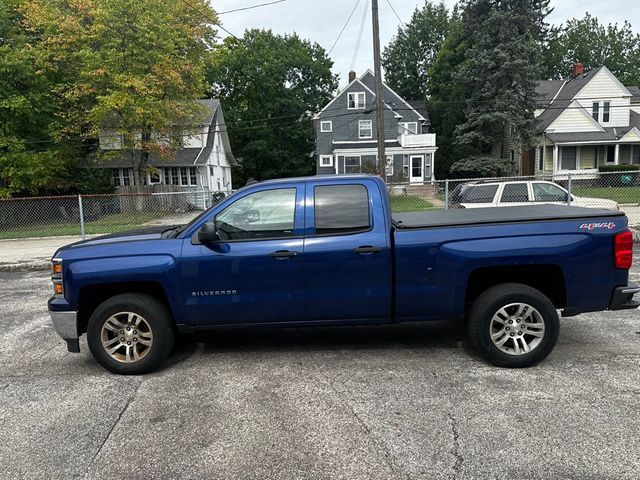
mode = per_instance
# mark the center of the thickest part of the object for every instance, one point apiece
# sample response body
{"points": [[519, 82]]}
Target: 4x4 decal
{"points": [[592, 226]]}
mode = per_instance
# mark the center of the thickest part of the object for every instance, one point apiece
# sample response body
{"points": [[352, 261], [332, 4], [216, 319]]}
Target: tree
{"points": [[29, 159], [413, 50], [593, 44], [269, 85], [498, 76], [131, 67]]}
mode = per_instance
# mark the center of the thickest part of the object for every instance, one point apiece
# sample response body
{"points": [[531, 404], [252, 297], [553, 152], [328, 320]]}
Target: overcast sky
{"points": [[322, 20]]}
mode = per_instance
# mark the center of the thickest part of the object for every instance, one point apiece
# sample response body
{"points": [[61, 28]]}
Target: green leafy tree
{"points": [[593, 44], [413, 50], [498, 75], [269, 86], [133, 67], [481, 166]]}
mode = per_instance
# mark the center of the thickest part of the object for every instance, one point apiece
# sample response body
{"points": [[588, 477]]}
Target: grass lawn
{"points": [[117, 222], [619, 194], [408, 203]]}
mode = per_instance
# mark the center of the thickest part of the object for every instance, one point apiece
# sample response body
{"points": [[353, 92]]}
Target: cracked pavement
{"points": [[410, 402]]}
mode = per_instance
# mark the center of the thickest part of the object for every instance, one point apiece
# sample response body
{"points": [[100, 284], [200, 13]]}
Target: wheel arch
{"points": [[90, 296]]}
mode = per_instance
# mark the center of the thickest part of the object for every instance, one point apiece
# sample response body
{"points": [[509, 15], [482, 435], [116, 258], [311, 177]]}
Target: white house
{"points": [[590, 120], [203, 163]]}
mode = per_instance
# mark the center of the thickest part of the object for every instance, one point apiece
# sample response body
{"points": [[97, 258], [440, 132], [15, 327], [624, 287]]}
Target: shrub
{"points": [[482, 166], [618, 168]]}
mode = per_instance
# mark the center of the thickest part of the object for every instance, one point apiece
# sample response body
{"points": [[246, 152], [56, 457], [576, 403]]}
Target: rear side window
{"points": [[515, 192], [479, 194], [341, 209]]}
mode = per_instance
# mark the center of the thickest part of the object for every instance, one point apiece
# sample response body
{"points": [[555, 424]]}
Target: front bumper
{"points": [[66, 325], [623, 298]]}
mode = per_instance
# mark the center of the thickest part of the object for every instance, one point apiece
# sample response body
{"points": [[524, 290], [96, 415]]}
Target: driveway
{"points": [[403, 402]]}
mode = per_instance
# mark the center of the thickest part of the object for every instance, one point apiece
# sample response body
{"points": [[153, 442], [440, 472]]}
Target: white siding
{"points": [[218, 166], [574, 119], [110, 140], [604, 87], [195, 139]]}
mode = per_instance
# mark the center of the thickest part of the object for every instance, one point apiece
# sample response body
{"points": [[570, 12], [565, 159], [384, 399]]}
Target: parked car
{"points": [[519, 192], [326, 251]]}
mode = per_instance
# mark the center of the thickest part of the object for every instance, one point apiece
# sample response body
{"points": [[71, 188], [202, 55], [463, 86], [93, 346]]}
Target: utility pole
{"points": [[377, 71]]}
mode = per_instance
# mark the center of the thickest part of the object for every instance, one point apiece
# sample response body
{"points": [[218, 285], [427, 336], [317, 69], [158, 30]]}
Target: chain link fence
{"points": [[31, 229]]}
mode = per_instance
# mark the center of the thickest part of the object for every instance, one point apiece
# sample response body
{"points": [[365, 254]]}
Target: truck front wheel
{"points": [[130, 334], [513, 325]]}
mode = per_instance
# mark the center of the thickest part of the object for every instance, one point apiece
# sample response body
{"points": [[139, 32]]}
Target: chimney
{"points": [[577, 70], [352, 76]]}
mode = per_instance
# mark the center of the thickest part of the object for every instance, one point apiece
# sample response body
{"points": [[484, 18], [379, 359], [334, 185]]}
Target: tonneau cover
{"points": [[480, 216]]}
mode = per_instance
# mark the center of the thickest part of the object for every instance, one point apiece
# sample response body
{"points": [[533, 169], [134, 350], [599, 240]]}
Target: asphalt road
{"points": [[401, 402]]}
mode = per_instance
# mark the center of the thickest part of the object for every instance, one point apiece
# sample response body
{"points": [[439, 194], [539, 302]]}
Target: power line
{"points": [[250, 7], [343, 27], [362, 22], [396, 13], [208, 17]]}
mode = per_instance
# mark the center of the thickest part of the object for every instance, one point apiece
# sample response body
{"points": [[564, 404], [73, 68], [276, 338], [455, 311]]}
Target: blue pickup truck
{"points": [[327, 251]]}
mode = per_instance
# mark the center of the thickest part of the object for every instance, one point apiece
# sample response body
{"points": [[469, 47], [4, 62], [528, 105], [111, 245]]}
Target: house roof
{"points": [[546, 91], [582, 137], [183, 156], [635, 92], [420, 107], [563, 97]]}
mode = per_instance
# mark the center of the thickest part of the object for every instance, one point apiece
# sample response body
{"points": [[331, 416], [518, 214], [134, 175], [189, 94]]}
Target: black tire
{"points": [[497, 297], [157, 317]]}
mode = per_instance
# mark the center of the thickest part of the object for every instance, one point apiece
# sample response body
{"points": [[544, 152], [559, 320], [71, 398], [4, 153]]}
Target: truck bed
{"points": [[495, 215]]}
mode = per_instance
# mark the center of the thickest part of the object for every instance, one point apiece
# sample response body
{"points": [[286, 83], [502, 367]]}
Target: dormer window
{"points": [[595, 111], [355, 100], [605, 112]]}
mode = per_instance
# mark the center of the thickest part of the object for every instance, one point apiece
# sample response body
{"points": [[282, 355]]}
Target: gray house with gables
{"points": [[346, 129]]}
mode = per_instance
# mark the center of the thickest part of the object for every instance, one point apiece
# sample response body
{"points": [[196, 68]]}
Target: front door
{"points": [[253, 273], [416, 173]]}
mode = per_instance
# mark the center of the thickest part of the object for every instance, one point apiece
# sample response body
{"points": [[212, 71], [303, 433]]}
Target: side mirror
{"points": [[207, 233]]}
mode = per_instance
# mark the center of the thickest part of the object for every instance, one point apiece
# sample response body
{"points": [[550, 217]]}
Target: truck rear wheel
{"points": [[130, 334], [513, 325]]}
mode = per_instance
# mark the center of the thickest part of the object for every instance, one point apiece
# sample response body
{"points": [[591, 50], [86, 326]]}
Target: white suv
{"points": [[526, 192]]}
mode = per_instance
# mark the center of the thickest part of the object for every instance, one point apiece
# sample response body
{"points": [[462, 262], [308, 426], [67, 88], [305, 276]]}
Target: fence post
{"points": [[81, 216], [446, 194], [569, 190]]}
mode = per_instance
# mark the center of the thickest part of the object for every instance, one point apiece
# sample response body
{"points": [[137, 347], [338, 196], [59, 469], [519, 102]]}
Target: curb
{"points": [[27, 266]]}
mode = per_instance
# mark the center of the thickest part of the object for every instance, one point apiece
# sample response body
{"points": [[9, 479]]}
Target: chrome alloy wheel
{"points": [[517, 329], [126, 337]]}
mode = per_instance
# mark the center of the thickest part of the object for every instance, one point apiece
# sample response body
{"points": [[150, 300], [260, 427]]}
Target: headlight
{"points": [[56, 277]]}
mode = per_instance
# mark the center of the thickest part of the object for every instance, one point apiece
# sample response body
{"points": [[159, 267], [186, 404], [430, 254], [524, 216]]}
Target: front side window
{"points": [[547, 192], [341, 209], [351, 164], [259, 215], [569, 158], [479, 193], [365, 128], [515, 192], [355, 100]]}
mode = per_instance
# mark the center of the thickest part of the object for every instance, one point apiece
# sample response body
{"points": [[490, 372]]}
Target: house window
{"points": [[326, 126], [355, 100], [405, 165], [513, 156], [595, 111], [365, 128], [116, 177], [605, 112], [569, 158], [540, 158], [126, 179], [174, 176], [193, 178], [611, 153], [635, 154], [326, 160], [154, 177], [183, 176], [389, 167], [407, 128], [352, 164], [211, 171]]}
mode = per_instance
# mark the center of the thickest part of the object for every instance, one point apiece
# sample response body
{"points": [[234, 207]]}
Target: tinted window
{"points": [[265, 214], [479, 193], [515, 192], [547, 192], [341, 208]]}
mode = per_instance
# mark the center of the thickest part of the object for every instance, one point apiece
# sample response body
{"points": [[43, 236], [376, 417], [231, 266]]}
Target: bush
{"points": [[618, 168], [482, 166]]}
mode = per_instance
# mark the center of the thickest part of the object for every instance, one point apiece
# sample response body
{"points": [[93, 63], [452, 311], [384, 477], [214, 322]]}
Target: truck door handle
{"points": [[282, 254], [366, 250]]}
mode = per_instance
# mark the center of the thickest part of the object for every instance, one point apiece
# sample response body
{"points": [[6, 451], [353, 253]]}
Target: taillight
{"points": [[623, 250]]}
